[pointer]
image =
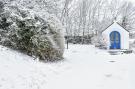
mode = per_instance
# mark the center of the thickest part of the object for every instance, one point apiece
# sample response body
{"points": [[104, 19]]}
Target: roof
{"points": [[112, 24]]}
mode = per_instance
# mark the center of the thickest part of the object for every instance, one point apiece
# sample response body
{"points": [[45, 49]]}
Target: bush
{"points": [[99, 41], [30, 33]]}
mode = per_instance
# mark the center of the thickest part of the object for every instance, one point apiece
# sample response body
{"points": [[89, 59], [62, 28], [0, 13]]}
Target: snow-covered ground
{"points": [[85, 67]]}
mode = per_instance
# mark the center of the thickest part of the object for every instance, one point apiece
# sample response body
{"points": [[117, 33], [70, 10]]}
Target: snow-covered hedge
{"points": [[39, 35], [99, 42]]}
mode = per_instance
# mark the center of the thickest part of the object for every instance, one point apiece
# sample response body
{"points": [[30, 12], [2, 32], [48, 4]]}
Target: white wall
{"points": [[123, 33]]}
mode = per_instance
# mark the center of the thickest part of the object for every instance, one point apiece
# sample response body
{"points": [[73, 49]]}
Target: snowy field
{"points": [[85, 67]]}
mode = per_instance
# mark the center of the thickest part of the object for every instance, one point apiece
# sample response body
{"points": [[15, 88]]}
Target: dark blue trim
{"points": [[115, 40]]}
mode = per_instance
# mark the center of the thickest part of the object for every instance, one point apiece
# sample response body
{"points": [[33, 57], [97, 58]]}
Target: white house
{"points": [[116, 37]]}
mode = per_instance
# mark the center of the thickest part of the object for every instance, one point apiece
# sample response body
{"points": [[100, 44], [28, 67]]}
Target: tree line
{"points": [[84, 20]]}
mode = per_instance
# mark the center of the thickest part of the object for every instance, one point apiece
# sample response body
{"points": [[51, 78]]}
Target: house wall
{"points": [[124, 35]]}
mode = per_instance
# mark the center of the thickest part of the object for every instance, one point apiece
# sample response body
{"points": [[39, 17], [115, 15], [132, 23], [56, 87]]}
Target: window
{"points": [[112, 36], [117, 37]]}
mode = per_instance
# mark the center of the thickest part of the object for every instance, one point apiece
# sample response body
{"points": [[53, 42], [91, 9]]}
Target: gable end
{"points": [[112, 24]]}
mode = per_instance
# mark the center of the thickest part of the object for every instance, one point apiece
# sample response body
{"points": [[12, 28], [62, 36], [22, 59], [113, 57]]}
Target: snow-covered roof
{"points": [[116, 24]]}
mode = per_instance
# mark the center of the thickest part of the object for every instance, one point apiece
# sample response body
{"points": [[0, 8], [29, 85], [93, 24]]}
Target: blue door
{"points": [[115, 40]]}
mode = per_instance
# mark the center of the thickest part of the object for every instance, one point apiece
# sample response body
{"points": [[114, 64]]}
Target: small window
{"points": [[112, 36], [117, 36]]}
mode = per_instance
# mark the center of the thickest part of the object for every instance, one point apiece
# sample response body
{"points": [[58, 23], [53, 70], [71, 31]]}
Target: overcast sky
{"points": [[131, 1]]}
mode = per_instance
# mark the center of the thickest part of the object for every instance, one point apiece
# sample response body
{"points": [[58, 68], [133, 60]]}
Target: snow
{"points": [[18, 71], [46, 32], [84, 67]]}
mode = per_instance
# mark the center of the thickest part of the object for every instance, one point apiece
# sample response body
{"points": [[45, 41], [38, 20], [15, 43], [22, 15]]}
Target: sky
{"points": [[131, 1]]}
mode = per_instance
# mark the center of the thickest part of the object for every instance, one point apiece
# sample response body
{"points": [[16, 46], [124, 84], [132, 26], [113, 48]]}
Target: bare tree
{"points": [[90, 17], [65, 16], [127, 15]]}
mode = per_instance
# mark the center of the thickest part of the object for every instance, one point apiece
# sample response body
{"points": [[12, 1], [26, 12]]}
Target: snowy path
{"points": [[84, 68], [93, 69]]}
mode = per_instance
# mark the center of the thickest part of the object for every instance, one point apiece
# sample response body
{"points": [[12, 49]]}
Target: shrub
{"points": [[31, 34]]}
